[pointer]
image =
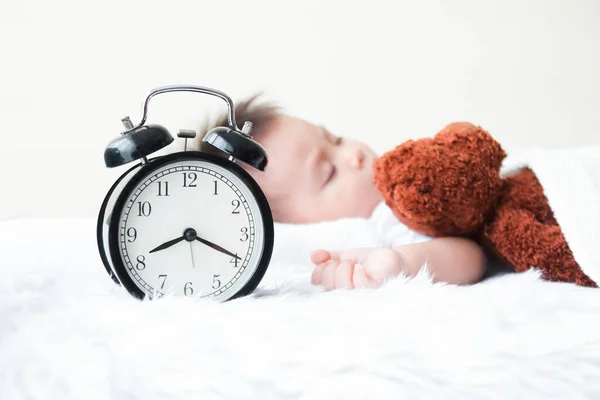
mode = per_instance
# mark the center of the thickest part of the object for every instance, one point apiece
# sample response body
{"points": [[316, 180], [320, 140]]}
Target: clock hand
{"points": [[167, 244], [192, 253], [216, 247]]}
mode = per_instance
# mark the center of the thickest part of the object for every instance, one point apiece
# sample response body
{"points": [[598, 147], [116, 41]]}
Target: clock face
{"points": [[191, 228]]}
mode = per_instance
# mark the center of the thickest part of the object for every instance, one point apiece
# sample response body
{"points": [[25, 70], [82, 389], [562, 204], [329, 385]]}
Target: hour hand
{"points": [[167, 244], [216, 247]]}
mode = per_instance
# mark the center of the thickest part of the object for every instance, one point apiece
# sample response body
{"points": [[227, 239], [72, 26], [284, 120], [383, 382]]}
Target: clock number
{"points": [[191, 176], [236, 204], [188, 290], [216, 281], [160, 188], [215, 193], [140, 262], [245, 235], [164, 278], [144, 209], [131, 234], [234, 261]]}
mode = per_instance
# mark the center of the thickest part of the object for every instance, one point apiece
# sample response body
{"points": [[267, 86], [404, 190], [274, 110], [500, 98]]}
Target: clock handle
{"points": [[189, 88]]}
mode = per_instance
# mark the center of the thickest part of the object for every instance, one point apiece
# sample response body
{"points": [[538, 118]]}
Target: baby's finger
{"points": [[335, 255], [360, 279], [328, 277], [317, 274], [320, 256], [343, 275]]}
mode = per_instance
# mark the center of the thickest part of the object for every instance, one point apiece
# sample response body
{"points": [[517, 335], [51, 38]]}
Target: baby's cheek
{"points": [[350, 196], [367, 196]]}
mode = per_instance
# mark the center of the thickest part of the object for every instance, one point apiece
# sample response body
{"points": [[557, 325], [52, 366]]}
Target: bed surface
{"points": [[68, 331]]}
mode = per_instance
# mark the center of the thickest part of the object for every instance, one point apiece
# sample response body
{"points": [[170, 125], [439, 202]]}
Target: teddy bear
{"points": [[450, 185]]}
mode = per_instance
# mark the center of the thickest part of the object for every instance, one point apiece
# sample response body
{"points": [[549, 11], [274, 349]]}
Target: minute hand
{"points": [[216, 247]]}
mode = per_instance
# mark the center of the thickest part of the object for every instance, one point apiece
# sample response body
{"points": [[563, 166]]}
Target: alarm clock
{"points": [[189, 223]]}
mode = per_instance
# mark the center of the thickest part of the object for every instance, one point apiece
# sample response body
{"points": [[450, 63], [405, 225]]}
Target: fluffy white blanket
{"points": [[67, 332]]}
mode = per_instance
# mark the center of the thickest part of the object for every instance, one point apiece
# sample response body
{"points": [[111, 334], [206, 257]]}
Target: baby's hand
{"points": [[355, 268]]}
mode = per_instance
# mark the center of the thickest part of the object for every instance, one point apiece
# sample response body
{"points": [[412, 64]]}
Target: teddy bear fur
{"points": [[450, 185]]}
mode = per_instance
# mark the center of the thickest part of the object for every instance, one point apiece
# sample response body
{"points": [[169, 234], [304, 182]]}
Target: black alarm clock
{"points": [[189, 223]]}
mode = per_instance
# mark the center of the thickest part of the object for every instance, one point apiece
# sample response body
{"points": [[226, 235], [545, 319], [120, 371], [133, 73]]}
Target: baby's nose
{"points": [[355, 157]]}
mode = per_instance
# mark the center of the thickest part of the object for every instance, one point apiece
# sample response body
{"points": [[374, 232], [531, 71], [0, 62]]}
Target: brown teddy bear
{"points": [[451, 186]]}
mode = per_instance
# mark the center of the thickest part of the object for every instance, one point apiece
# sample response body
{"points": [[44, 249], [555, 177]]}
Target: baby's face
{"points": [[315, 176]]}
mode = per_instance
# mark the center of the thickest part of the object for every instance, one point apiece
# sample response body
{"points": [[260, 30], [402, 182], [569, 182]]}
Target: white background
{"points": [[383, 71]]}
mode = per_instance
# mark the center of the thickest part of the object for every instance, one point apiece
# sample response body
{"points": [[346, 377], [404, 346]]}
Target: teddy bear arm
{"points": [[525, 242], [522, 190]]}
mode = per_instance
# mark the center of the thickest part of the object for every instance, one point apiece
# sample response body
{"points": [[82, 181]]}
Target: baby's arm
{"points": [[452, 260]]}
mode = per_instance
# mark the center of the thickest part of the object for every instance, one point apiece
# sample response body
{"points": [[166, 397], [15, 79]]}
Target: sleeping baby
{"points": [[314, 175]]}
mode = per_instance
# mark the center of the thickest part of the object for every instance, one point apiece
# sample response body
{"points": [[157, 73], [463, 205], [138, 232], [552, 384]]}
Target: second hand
{"points": [[192, 253]]}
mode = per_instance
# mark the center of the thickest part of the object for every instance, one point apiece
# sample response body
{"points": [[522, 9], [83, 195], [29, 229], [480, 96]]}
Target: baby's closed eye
{"points": [[332, 173]]}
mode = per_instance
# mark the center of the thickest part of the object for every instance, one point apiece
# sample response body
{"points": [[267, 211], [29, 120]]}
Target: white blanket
{"points": [[67, 332]]}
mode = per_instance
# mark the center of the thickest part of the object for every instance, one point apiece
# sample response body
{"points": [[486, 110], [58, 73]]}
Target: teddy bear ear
{"points": [[474, 141]]}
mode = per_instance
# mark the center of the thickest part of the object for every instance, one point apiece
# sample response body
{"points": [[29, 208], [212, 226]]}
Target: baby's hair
{"points": [[261, 114]]}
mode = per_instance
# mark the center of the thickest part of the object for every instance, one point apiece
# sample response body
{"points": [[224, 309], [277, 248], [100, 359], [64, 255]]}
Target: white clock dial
{"points": [[191, 228]]}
